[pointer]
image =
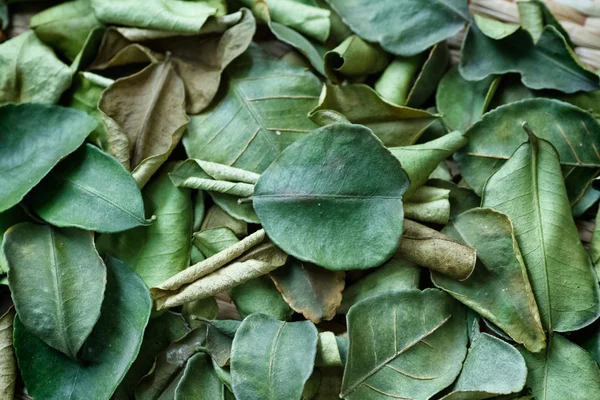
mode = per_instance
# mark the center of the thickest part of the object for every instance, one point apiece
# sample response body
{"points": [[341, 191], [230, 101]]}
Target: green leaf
{"points": [[394, 274], [106, 355], [563, 371], [217, 218], [534, 15], [35, 138], [420, 160], [429, 75], [65, 27], [8, 364], [429, 248], [167, 15], [495, 29], [161, 250], [396, 81], [199, 380], [212, 241], [573, 132], [260, 295], [90, 190], [310, 290], [492, 368], [425, 23], [463, 102], [499, 289], [529, 189], [547, 64], [394, 125], [57, 283], [316, 193], [429, 204], [461, 198], [144, 115], [195, 311], [355, 59], [27, 64], [270, 359], [261, 111], [405, 344], [160, 333], [8, 218], [259, 261]]}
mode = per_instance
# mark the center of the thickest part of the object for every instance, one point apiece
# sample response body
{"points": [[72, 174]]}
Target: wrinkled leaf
{"points": [[310, 290], [57, 283], [35, 138], [395, 274], [161, 250], [499, 289], [107, 354], [270, 359], [212, 241], [405, 344], [529, 189], [144, 115], [8, 364], [217, 218], [394, 125], [31, 71], [315, 194], [573, 132], [90, 190], [423, 23]]}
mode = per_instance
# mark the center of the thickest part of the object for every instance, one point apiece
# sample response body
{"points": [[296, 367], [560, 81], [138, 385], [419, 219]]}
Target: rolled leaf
{"points": [[57, 283], [535, 199], [35, 138], [429, 204], [270, 359], [429, 248], [310, 290], [395, 82], [394, 125], [315, 193], [107, 354], [420, 340], [499, 289], [354, 58]]}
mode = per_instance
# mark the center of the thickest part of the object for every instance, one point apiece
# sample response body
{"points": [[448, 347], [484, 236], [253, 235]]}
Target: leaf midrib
{"points": [[59, 311]]}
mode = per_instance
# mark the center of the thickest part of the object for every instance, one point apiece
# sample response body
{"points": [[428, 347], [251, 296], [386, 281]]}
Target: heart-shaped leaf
{"points": [[35, 137], [529, 189], [106, 355], [317, 198], [270, 359], [404, 344], [57, 283], [90, 190]]}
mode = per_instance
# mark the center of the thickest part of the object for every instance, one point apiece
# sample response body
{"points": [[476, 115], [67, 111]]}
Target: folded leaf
{"points": [[35, 138], [499, 289], [547, 64], [168, 15], [263, 110], [355, 59], [259, 261], [429, 204], [405, 344], [429, 76], [160, 333], [420, 160], [563, 371], [32, 72], [90, 190], [106, 355], [270, 359], [396, 81], [425, 23], [429, 248], [494, 138], [394, 125], [394, 274], [217, 218], [8, 364], [328, 351], [260, 295], [492, 368], [311, 290], [212, 241], [316, 199], [529, 189], [199, 380], [144, 115], [161, 250], [57, 283], [534, 16], [463, 102], [461, 198]]}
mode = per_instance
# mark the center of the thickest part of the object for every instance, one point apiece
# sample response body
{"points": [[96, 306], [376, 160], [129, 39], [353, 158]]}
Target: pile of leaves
{"points": [[386, 224]]}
